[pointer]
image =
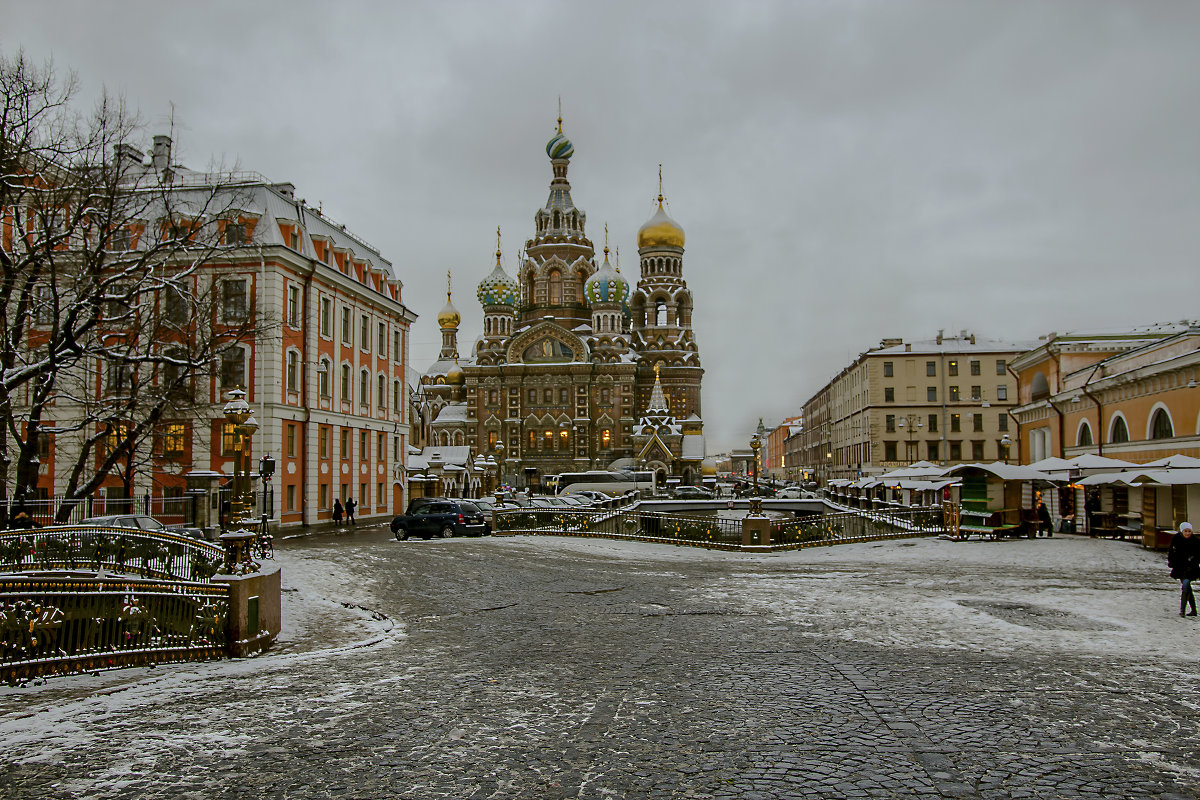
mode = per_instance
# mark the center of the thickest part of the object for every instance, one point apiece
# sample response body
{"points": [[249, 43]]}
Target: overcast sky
{"points": [[844, 171]]}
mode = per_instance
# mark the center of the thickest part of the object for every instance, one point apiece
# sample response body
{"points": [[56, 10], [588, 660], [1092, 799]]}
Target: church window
{"points": [[660, 313], [555, 288], [605, 438], [557, 219], [532, 439], [562, 396], [563, 438], [548, 396], [548, 439]]}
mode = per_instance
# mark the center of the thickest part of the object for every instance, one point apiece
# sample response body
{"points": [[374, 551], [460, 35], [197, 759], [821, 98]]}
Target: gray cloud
{"points": [[845, 171]]}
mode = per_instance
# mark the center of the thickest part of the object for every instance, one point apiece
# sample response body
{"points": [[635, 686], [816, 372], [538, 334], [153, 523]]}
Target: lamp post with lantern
{"points": [[1005, 443], [237, 542], [755, 447]]}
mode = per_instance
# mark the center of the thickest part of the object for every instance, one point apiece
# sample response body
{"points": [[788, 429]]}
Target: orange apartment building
{"points": [[326, 383], [1127, 394]]}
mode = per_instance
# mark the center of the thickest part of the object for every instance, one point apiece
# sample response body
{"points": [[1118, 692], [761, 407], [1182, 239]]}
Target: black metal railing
{"points": [[722, 532], [60, 624], [858, 526], [150, 554]]}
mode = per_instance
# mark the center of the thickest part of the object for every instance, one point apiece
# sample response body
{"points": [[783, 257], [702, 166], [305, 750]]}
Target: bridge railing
{"points": [[722, 532], [63, 623], [858, 526], [150, 554]]}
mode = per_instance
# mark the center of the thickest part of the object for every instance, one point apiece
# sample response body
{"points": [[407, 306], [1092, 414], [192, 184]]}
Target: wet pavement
{"points": [[549, 668]]}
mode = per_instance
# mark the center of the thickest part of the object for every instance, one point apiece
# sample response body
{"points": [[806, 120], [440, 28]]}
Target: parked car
{"points": [[439, 516], [596, 498], [486, 506], [691, 493], [140, 522], [575, 501], [790, 493]]}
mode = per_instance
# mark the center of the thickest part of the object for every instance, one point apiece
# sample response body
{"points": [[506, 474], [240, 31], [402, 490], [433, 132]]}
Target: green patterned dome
{"points": [[498, 289], [560, 147], [606, 286]]}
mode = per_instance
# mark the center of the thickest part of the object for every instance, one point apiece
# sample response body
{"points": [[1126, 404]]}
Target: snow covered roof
{"points": [[452, 412], [692, 447]]}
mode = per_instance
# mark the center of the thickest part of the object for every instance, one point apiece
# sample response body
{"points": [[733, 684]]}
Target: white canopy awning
{"points": [[1007, 472]]}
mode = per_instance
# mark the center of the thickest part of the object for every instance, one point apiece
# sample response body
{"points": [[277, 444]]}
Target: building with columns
{"points": [[577, 368]]}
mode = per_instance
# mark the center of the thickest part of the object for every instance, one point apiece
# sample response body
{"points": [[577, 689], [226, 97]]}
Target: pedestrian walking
{"points": [[350, 506], [337, 511], [1044, 523], [1183, 557]]}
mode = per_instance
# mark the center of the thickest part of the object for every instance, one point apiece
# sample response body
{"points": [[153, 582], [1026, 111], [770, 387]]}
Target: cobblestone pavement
{"points": [[549, 668]]}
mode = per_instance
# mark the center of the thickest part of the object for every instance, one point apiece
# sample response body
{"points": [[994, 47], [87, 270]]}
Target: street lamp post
{"points": [[238, 554], [914, 426], [755, 445], [1005, 443]]}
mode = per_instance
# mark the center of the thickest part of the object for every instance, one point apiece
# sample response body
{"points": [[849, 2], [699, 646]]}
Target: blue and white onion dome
{"points": [[606, 285], [560, 146], [498, 288]]}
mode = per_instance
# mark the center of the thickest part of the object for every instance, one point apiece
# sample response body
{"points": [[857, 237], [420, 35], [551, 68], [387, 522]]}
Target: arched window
{"points": [[396, 396], [364, 387], [555, 288], [529, 289], [1120, 431], [660, 313], [346, 383], [1084, 438], [458, 438], [380, 391], [1041, 386], [1160, 425], [557, 219]]}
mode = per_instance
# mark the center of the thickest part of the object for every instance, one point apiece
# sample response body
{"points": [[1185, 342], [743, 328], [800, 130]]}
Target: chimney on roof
{"points": [[162, 153], [908, 347], [288, 190], [941, 333], [124, 151], [972, 338]]}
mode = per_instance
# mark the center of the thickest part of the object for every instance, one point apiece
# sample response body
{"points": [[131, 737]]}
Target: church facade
{"points": [[575, 368]]}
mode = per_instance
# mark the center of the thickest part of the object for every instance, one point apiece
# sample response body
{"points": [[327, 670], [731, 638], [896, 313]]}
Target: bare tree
{"points": [[112, 312]]}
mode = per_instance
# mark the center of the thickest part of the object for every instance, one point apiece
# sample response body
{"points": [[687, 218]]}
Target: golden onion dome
{"points": [[660, 231], [455, 375], [448, 317]]}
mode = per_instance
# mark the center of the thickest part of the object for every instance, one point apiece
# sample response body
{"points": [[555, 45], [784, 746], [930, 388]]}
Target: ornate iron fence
{"points": [[719, 532], [151, 554], [859, 526], [58, 624]]}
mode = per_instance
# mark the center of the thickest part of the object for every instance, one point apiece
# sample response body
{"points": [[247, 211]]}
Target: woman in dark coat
{"points": [[1183, 558], [337, 511]]}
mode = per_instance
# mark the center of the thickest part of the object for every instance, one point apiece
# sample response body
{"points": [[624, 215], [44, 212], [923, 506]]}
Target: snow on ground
{"points": [[1068, 594]]}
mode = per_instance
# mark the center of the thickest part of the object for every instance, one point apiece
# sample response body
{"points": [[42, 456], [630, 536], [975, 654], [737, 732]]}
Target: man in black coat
{"points": [[1183, 557]]}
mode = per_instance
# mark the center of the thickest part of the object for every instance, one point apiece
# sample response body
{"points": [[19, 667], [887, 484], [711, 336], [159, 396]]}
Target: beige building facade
{"points": [[945, 400]]}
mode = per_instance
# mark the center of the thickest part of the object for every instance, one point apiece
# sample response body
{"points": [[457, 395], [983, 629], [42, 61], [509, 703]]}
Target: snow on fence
{"points": [[722, 533], [61, 624], [150, 554]]}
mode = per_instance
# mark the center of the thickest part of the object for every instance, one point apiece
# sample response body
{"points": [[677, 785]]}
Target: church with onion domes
{"points": [[576, 368]]}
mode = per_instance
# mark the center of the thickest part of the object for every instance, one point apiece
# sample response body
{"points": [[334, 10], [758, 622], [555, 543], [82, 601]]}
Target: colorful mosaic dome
{"points": [[498, 288], [560, 147], [606, 286]]}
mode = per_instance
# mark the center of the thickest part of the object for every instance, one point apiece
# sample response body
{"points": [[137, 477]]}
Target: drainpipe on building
{"points": [[1099, 413], [1062, 442], [309, 347]]}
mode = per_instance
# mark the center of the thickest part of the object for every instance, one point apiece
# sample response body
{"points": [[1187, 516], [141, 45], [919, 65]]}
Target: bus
{"points": [[606, 481]]}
